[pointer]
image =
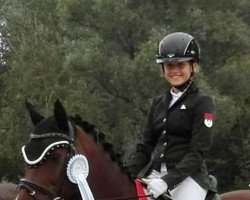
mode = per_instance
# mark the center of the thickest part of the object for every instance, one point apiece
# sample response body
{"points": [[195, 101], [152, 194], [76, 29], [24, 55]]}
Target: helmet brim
{"points": [[174, 59]]}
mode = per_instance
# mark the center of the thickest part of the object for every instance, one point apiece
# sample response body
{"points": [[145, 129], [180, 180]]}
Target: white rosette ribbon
{"points": [[77, 172]]}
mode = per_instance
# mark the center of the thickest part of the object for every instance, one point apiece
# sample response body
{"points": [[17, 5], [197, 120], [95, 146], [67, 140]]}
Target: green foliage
{"points": [[98, 58], [232, 80]]}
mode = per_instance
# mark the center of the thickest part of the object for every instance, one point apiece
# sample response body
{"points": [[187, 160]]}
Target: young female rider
{"points": [[179, 126]]}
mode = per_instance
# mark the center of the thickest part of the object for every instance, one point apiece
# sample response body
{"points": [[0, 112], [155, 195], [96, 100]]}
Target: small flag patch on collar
{"points": [[208, 120]]}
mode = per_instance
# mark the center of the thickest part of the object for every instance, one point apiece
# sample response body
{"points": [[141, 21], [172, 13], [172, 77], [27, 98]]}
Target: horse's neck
{"points": [[105, 178], [236, 195]]}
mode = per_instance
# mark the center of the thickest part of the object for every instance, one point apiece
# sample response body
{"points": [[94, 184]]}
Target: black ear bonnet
{"points": [[49, 133]]}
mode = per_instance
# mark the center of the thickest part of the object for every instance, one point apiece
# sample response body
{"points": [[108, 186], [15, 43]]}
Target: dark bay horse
{"points": [[58, 138]]}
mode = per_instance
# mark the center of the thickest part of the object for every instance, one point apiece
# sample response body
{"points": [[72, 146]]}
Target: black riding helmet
{"points": [[179, 47]]}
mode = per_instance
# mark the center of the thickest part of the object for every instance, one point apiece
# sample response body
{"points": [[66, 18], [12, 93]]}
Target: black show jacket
{"points": [[179, 136]]}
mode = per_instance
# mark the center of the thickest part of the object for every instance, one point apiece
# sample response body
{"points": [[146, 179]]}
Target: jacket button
{"points": [[162, 155], [164, 120], [165, 144], [164, 132]]}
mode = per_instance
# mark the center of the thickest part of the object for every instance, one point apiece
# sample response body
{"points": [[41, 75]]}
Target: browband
{"points": [[52, 135]]}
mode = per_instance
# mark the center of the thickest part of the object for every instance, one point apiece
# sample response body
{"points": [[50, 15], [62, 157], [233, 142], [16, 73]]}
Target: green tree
{"points": [[97, 57], [232, 80]]}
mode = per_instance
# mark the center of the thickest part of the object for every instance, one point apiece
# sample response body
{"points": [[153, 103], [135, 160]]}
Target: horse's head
{"points": [[46, 154], [54, 141]]}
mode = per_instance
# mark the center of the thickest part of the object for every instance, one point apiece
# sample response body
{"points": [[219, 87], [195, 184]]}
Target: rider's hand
{"points": [[157, 187]]}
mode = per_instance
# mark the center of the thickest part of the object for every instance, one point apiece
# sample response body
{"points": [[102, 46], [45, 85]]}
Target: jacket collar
{"points": [[168, 97]]}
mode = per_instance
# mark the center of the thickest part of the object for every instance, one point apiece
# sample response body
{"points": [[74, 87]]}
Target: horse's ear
{"points": [[34, 115], [61, 115]]}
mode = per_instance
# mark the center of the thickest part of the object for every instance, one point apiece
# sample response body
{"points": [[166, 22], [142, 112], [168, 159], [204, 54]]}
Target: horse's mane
{"points": [[100, 137]]}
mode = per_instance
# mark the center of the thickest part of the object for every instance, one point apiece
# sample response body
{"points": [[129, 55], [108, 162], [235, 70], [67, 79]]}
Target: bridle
{"points": [[31, 187]]}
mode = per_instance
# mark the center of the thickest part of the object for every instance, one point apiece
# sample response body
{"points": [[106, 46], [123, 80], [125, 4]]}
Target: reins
{"points": [[32, 188]]}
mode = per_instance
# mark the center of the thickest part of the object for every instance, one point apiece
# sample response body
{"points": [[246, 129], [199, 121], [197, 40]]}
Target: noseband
{"points": [[32, 187]]}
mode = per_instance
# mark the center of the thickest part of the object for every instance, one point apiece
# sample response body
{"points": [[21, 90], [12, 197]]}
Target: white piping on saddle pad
{"points": [[33, 162], [77, 172]]}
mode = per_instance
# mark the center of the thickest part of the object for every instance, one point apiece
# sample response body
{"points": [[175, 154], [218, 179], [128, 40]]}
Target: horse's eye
{"points": [[55, 157]]}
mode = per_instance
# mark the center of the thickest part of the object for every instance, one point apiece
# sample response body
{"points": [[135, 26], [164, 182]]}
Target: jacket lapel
{"points": [[192, 88]]}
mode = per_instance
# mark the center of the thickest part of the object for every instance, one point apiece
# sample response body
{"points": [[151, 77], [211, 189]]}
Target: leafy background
{"points": [[98, 58]]}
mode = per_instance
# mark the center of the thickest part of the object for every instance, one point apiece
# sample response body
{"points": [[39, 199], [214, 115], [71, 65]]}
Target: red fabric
{"points": [[139, 189]]}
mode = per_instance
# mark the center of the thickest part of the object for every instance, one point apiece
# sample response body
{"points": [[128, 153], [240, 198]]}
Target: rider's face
{"points": [[177, 73]]}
